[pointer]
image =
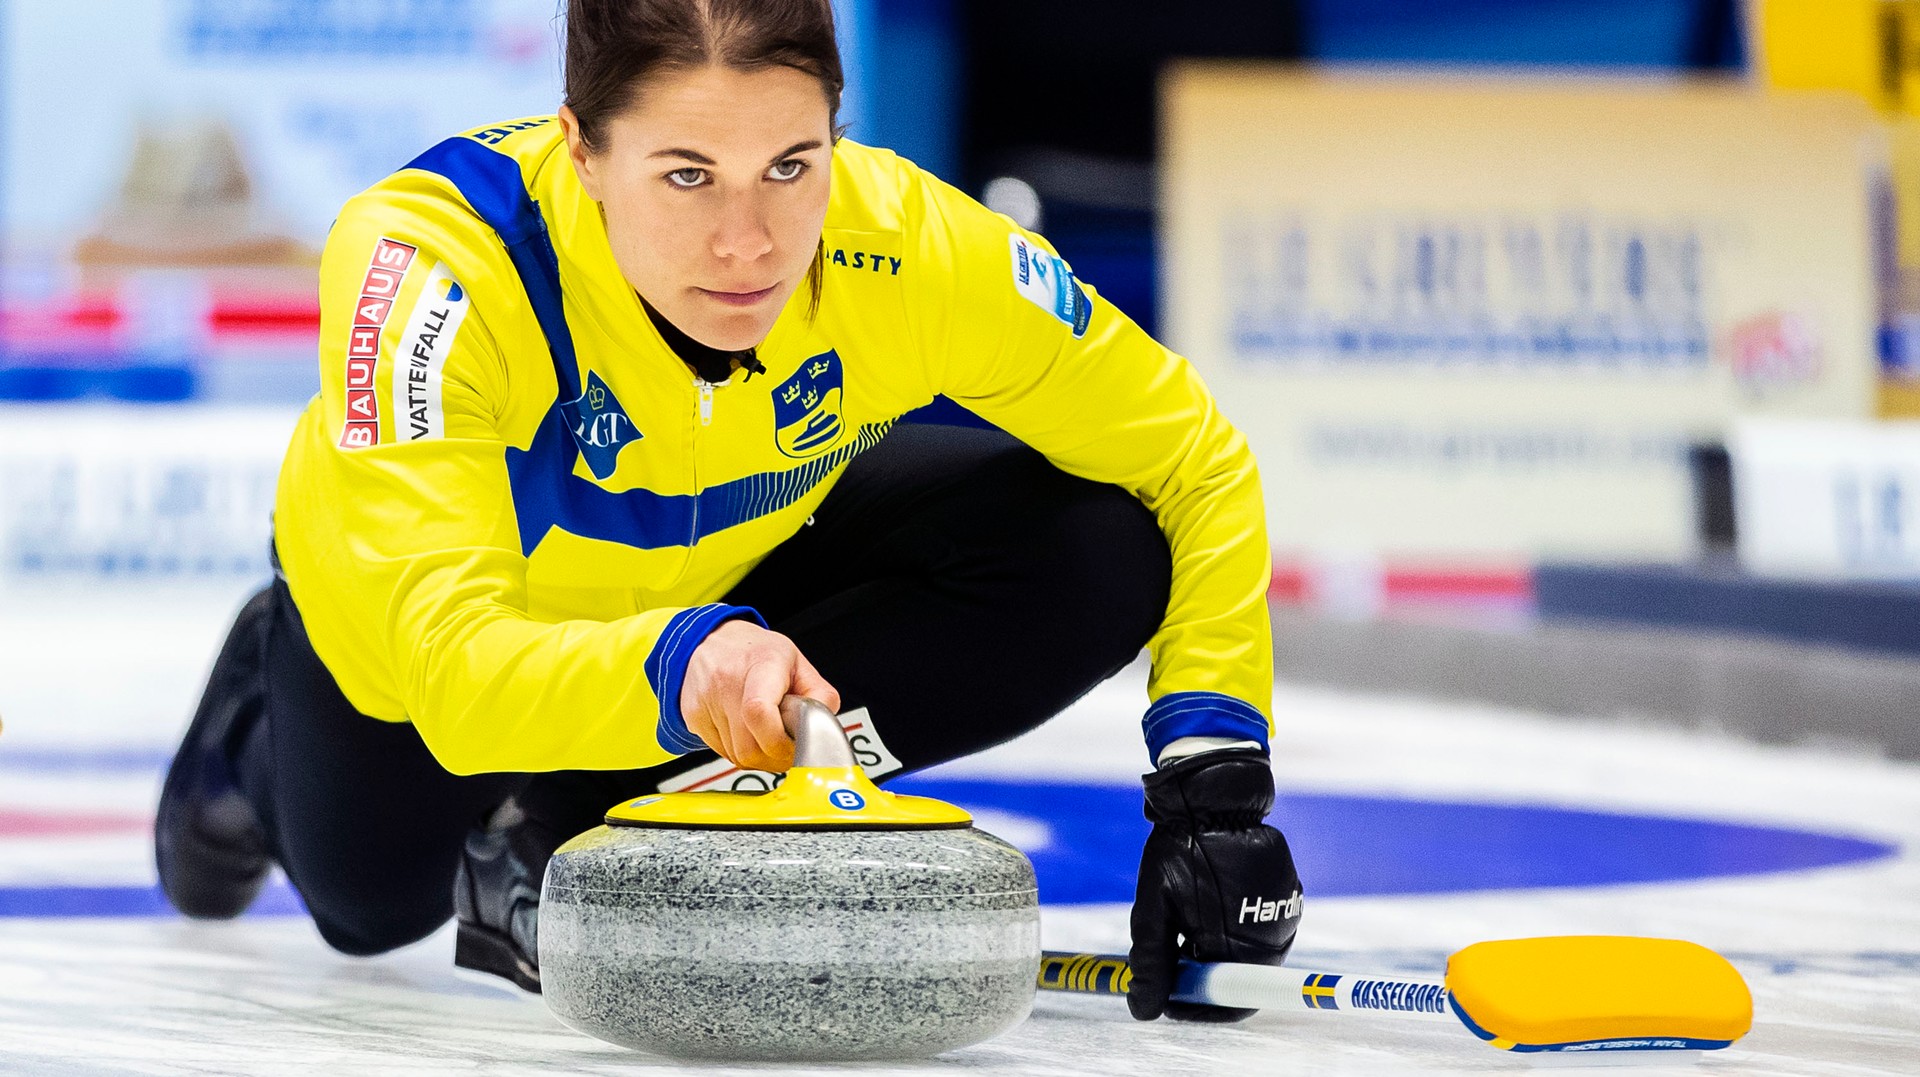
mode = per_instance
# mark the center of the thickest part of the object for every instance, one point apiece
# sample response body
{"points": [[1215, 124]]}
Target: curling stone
{"points": [[825, 920]]}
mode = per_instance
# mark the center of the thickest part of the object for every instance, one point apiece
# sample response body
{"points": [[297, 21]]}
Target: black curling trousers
{"points": [[954, 582]]}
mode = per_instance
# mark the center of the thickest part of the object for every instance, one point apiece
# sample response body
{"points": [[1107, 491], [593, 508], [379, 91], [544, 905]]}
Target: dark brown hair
{"points": [[612, 45]]}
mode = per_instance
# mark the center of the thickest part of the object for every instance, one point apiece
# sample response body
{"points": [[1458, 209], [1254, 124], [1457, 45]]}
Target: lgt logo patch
{"points": [[600, 426]]}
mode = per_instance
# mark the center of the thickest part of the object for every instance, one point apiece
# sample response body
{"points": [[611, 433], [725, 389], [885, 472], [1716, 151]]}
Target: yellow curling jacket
{"points": [[510, 511]]}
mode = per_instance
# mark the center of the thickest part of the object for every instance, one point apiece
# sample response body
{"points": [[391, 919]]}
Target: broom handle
{"points": [[1257, 987]]}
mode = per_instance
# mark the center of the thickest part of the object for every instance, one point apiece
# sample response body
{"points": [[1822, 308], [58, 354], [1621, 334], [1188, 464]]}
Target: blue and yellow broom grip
{"points": [[1256, 987], [1565, 994]]}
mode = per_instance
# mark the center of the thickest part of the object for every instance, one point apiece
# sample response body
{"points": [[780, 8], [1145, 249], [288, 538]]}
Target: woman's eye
{"points": [[787, 170], [687, 177]]}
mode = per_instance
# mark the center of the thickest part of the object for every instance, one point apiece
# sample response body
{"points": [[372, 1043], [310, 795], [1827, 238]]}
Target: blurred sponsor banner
{"points": [[172, 168], [1485, 319], [1827, 499], [106, 492]]}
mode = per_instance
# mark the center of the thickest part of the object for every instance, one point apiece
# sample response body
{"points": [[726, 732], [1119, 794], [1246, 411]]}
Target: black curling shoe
{"points": [[207, 841], [496, 896]]}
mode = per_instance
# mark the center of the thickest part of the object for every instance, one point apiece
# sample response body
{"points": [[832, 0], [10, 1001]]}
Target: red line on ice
{"points": [[22, 823]]}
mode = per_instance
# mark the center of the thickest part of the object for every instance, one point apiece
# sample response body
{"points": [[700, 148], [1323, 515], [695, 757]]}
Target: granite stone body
{"points": [[789, 945]]}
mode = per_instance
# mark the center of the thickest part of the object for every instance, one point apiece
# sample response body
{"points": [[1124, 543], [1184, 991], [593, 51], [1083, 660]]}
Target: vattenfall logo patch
{"points": [[420, 358]]}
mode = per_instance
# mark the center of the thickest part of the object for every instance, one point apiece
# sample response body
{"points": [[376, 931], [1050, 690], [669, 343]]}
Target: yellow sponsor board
{"points": [[1832, 44], [1867, 47], [1485, 318]]}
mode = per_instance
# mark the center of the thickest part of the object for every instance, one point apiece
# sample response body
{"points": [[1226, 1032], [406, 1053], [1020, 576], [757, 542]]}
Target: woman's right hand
{"points": [[734, 684]]}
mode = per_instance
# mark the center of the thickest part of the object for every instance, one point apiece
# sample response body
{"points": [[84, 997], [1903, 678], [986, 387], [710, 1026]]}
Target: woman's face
{"points": [[714, 183]]}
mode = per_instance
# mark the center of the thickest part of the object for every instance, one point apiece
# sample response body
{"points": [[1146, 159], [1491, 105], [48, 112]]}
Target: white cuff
{"points": [[1181, 747]]}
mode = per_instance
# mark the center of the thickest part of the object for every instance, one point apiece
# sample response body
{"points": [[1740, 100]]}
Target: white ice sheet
{"points": [[1833, 955]]}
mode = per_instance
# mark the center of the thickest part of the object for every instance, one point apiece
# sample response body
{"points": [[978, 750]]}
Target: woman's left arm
{"points": [[1010, 334]]}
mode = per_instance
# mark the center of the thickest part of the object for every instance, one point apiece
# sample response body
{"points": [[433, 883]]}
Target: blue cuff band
{"points": [[1201, 714], [667, 666]]}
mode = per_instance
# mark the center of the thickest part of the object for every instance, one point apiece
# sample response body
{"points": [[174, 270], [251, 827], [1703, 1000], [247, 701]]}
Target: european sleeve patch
{"points": [[1049, 284]]}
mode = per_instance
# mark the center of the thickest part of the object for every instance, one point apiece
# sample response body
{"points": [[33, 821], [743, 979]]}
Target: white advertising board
{"points": [[322, 97], [1827, 499], [1483, 319], [171, 168], [106, 493]]}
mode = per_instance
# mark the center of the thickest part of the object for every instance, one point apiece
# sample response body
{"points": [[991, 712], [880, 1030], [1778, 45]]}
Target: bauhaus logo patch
{"points": [[386, 272]]}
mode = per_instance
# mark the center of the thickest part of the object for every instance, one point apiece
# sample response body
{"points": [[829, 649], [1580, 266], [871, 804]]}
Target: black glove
{"points": [[1214, 874]]}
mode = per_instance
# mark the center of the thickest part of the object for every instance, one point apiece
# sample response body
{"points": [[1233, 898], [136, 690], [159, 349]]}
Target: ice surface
{"points": [[95, 686]]}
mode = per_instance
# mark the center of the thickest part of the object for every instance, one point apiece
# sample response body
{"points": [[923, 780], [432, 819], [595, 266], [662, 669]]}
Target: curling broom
{"points": [[1567, 995]]}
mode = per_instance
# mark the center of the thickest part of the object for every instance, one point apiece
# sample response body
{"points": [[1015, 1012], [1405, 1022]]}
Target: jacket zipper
{"points": [[704, 412], [706, 399]]}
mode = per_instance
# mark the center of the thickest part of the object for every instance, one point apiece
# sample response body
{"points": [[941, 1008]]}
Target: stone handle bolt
{"points": [[818, 740]]}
